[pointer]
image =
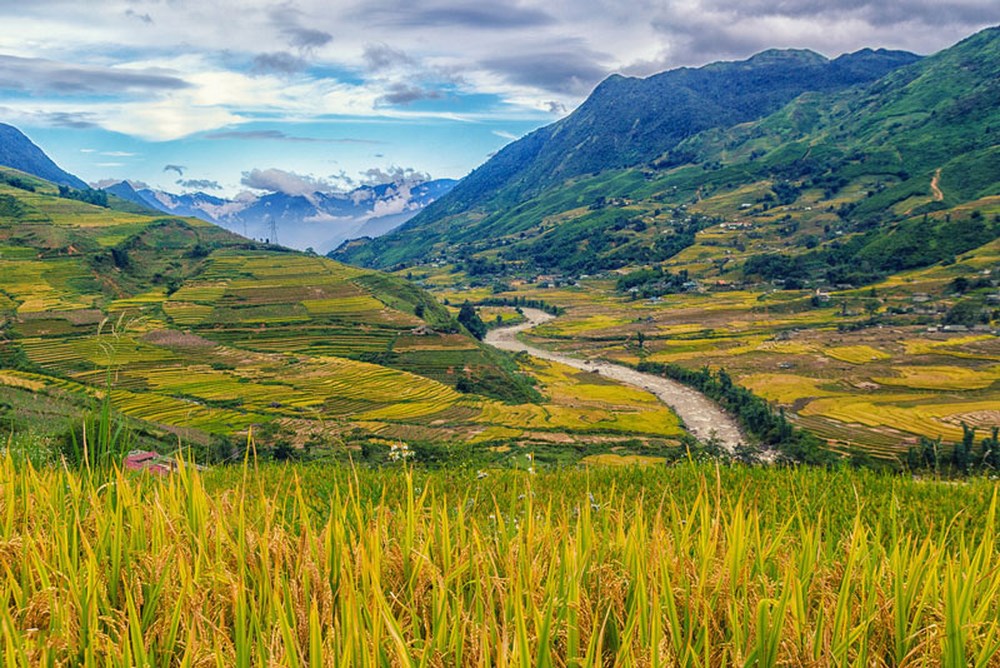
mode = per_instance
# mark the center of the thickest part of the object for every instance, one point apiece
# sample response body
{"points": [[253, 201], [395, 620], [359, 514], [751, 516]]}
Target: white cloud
{"points": [[182, 67], [289, 183]]}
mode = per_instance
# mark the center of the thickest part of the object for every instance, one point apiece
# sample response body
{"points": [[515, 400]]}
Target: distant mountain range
{"points": [[814, 163], [19, 152], [319, 220]]}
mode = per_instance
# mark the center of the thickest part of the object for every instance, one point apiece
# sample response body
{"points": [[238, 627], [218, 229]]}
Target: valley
{"points": [[700, 416], [700, 365]]}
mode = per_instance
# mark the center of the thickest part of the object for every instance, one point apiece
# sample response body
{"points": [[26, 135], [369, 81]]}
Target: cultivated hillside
{"points": [[203, 330], [627, 122]]}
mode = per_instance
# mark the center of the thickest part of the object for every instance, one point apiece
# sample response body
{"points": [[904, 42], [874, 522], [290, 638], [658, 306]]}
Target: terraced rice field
{"points": [[878, 388]]}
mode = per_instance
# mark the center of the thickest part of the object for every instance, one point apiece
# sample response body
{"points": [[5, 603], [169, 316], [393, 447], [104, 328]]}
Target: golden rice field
{"points": [[879, 388], [689, 565]]}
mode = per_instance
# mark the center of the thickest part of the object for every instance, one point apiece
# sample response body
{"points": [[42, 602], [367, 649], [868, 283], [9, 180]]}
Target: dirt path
{"points": [[935, 187], [701, 415]]}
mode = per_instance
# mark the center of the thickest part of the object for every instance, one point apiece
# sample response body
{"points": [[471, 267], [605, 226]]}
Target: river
{"points": [[702, 416]]}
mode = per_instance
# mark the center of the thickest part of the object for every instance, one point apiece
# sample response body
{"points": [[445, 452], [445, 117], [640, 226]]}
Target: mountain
{"points": [[624, 123], [316, 220], [18, 152], [210, 334]]}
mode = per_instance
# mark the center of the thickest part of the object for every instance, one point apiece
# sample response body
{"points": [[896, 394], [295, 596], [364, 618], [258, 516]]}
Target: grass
{"points": [[656, 566]]}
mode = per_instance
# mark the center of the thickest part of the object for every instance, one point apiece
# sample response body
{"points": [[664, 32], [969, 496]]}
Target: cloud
{"points": [[279, 62], [109, 164], [570, 71], [380, 57], [464, 14], [503, 134], [307, 38], [175, 168], [278, 135], [145, 18], [105, 183], [256, 135], [119, 154], [37, 75], [198, 184], [397, 175], [401, 93], [65, 119], [288, 19], [289, 183]]}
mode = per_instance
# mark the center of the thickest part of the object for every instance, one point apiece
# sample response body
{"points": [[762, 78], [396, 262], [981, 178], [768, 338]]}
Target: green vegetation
{"points": [[831, 185], [769, 428]]}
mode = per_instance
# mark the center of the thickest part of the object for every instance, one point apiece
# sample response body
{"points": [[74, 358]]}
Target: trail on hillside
{"points": [[702, 416], [935, 187]]}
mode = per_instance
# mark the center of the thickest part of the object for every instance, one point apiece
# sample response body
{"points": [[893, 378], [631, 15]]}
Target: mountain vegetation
{"points": [[850, 169]]}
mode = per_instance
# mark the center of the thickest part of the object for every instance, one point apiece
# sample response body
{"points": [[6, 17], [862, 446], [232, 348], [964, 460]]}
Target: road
{"points": [[702, 417]]}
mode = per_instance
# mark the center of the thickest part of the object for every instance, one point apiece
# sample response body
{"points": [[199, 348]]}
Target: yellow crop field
{"points": [[361, 303], [937, 419], [950, 347], [633, 566], [786, 388], [856, 354], [942, 377]]}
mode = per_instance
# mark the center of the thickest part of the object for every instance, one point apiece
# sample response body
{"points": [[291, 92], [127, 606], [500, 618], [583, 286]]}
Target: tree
{"points": [[469, 319]]}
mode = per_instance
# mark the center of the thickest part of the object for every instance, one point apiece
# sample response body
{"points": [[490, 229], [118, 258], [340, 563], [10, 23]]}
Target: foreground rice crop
{"points": [[319, 566]]}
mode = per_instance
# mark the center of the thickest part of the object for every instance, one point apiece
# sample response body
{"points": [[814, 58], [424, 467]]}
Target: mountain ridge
{"points": [[868, 150], [17, 151], [618, 96], [319, 220]]}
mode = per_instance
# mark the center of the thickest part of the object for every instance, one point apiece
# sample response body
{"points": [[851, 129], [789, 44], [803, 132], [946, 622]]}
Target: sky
{"points": [[225, 96]]}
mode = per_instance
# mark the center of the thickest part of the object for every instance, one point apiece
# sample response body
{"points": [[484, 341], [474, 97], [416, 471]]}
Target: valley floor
{"points": [[700, 416]]}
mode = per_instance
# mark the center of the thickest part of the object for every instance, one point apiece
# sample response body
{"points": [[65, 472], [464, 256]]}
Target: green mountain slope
{"points": [[629, 121], [19, 152], [827, 177]]}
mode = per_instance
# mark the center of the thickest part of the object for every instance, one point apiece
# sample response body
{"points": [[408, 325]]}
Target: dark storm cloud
{"points": [[49, 76], [568, 72], [175, 168], [379, 57], [462, 14], [198, 184], [279, 62], [278, 135], [401, 93]]}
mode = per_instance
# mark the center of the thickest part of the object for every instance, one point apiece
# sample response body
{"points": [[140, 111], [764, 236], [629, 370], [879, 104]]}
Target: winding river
{"points": [[702, 417]]}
